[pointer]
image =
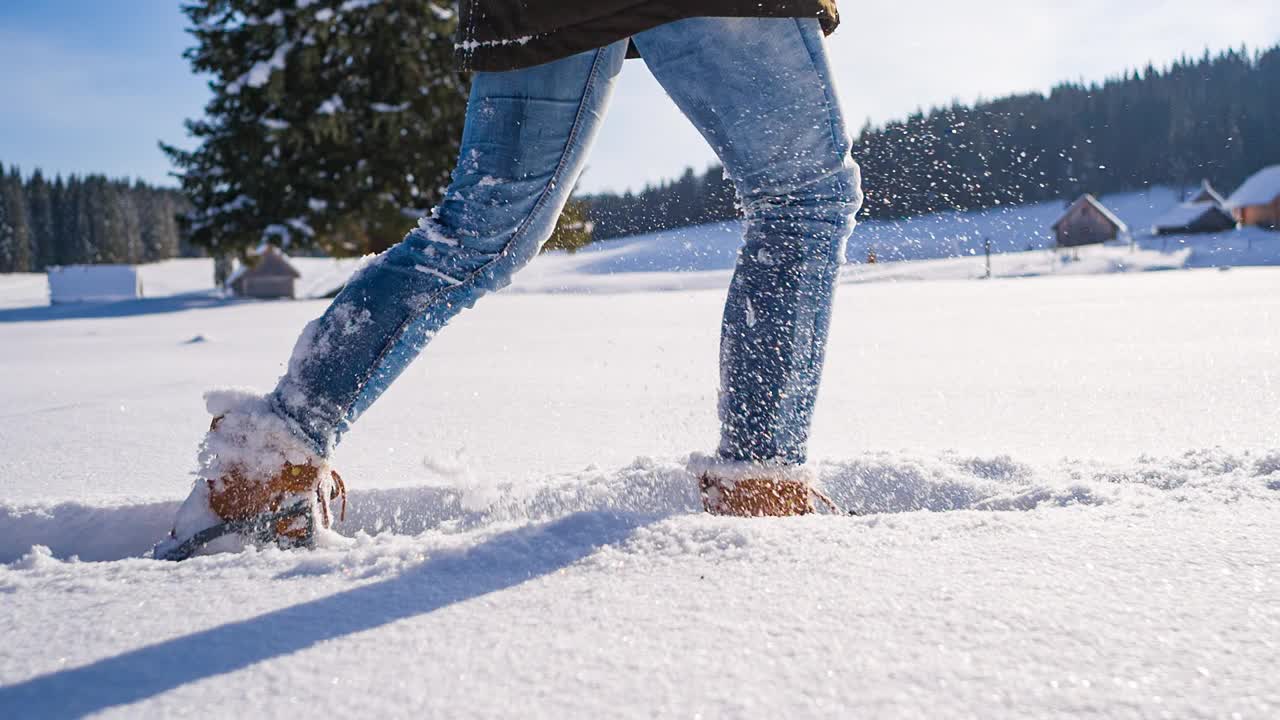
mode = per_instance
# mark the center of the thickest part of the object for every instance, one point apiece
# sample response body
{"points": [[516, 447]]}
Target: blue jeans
{"points": [[759, 91]]}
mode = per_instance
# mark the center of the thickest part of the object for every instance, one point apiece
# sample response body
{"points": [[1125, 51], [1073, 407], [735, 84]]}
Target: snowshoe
{"points": [[256, 480], [262, 530]]}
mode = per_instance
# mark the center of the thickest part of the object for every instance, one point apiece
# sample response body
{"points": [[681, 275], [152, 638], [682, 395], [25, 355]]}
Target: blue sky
{"points": [[93, 85]]}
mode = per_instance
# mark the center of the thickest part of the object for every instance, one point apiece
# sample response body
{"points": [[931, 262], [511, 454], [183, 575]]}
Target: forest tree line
{"points": [[85, 220], [357, 159], [1209, 118]]}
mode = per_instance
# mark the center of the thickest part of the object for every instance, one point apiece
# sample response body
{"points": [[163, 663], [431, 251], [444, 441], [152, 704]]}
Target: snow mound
{"points": [[91, 533], [873, 485]]}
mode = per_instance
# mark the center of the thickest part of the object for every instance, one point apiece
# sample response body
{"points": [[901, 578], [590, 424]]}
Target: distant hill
{"points": [[1212, 117]]}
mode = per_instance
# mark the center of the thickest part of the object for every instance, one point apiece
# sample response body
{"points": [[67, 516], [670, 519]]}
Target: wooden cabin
{"points": [[268, 275], [1088, 222], [1194, 218], [1204, 212], [1207, 194], [1257, 201]]}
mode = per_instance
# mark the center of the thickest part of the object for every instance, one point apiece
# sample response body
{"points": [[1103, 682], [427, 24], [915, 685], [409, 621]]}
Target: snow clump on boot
{"points": [[247, 439]]}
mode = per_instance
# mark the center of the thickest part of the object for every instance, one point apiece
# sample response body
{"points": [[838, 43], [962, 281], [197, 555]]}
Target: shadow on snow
{"points": [[122, 308], [504, 561]]}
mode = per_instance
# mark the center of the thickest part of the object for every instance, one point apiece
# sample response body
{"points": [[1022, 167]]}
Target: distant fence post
{"points": [[986, 246]]}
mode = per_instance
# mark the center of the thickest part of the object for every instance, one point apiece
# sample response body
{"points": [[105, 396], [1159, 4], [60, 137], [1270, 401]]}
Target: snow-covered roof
{"points": [[1207, 193], [273, 262], [1186, 214], [1261, 189], [1088, 199]]}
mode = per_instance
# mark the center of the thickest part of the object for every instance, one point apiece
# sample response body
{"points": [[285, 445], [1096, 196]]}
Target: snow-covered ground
{"points": [[1070, 487]]}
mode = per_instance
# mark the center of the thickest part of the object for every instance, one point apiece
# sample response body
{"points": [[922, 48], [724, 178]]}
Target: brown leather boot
{"points": [[256, 478], [755, 497], [235, 496]]}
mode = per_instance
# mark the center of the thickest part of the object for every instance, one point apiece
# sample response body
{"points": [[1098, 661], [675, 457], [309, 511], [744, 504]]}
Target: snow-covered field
{"points": [[1070, 487]]}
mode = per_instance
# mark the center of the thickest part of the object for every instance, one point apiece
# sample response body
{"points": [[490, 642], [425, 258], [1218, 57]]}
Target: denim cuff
{"points": [[735, 470]]}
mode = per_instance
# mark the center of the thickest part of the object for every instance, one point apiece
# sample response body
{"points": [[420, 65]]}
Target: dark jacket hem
{"points": [[488, 52]]}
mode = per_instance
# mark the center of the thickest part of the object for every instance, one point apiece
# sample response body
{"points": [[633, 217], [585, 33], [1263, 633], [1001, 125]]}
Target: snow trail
{"points": [[873, 484], [1076, 610]]}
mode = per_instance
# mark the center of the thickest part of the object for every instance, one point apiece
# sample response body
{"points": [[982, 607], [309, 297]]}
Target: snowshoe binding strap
{"points": [[831, 504], [339, 491], [262, 529]]}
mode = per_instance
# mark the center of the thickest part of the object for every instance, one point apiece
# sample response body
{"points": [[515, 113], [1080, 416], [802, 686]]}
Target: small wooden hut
{"points": [[1087, 222], [269, 275], [1194, 218], [1203, 212], [1207, 194], [1257, 201]]}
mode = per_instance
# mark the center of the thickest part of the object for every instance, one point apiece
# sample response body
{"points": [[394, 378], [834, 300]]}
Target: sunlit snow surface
{"points": [[1070, 487]]}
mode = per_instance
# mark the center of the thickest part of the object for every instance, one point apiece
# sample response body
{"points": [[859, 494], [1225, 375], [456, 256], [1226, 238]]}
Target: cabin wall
{"points": [[1210, 222], [1085, 226], [1261, 215], [1214, 222], [266, 286]]}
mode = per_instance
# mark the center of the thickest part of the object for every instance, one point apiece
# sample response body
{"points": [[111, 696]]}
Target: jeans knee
{"points": [[832, 196], [842, 197], [809, 220], [853, 196], [849, 202]]}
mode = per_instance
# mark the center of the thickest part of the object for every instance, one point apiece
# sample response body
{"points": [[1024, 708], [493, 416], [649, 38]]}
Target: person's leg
{"points": [[525, 143], [760, 91]]}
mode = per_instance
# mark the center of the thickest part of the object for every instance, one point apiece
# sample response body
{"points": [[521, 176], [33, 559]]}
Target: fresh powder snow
{"points": [[1066, 481]]}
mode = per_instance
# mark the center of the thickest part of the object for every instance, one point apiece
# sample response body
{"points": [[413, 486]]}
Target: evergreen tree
{"points": [[1212, 117], [88, 220], [59, 195], [8, 253], [159, 231], [40, 205], [1196, 119], [15, 236], [106, 243], [692, 199], [331, 121], [79, 245], [574, 229], [130, 223]]}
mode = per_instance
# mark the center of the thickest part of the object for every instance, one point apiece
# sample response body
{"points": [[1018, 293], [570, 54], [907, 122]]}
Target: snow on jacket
{"points": [[495, 35]]}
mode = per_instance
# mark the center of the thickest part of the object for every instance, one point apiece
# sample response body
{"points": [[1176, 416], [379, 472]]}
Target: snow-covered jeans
{"points": [[759, 90]]}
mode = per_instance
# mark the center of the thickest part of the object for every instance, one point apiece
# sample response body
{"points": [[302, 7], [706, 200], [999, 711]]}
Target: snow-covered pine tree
{"points": [[331, 121]]}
